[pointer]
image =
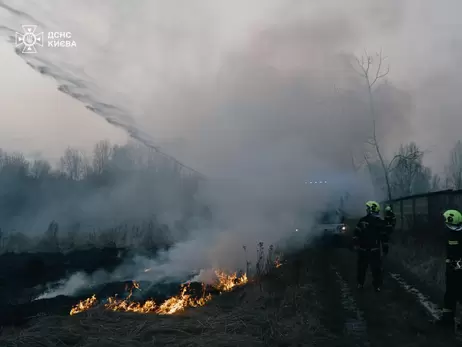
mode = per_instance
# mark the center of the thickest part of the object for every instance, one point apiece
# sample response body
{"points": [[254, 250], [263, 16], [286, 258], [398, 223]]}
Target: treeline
{"points": [[405, 174], [114, 187]]}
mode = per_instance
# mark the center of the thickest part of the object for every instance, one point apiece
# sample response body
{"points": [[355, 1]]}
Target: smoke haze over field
{"points": [[261, 94]]}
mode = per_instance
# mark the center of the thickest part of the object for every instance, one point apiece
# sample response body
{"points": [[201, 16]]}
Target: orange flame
{"points": [[180, 302], [277, 263], [226, 282], [84, 305]]}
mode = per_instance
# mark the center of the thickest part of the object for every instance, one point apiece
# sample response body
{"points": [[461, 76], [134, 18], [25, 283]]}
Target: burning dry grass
{"points": [[283, 313], [224, 283], [277, 262]]}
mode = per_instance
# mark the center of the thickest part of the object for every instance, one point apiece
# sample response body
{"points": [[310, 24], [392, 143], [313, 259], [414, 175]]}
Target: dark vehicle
{"points": [[331, 227]]}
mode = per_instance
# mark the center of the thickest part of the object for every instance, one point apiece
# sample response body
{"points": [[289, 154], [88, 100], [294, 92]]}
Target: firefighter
{"points": [[453, 294], [390, 220], [370, 238]]}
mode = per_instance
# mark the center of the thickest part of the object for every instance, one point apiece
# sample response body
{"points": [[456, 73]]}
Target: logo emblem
{"points": [[29, 39]]}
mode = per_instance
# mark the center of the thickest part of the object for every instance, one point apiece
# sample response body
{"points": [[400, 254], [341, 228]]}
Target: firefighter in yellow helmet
{"points": [[453, 294], [390, 219], [369, 240]]}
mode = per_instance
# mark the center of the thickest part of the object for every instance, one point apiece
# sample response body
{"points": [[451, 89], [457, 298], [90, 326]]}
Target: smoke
{"points": [[263, 97], [76, 282]]}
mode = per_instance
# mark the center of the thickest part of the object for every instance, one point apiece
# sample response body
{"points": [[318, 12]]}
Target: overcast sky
{"points": [[38, 120], [153, 55]]}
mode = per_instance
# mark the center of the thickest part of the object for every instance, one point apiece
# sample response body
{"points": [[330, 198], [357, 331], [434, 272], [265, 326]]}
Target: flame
{"points": [[125, 305], [84, 305], [277, 263], [225, 282], [182, 301]]}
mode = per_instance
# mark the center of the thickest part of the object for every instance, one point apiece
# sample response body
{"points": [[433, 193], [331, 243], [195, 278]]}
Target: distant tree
{"points": [[404, 170], [40, 169], [407, 172], [436, 184], [15, 164], [422, 181], [102, 154], [17, 242], [454, 169], [50, 241], [32, 193], [365, 65], [122, 158], [73, 164]]}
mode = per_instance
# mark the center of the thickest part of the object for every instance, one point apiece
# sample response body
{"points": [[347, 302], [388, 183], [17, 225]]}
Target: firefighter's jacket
{"points": [[371, 234], [390, 220], [454, 248]]}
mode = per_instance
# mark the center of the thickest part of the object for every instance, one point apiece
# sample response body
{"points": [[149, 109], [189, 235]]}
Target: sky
{"points": [[150, 56], [39, 121]]}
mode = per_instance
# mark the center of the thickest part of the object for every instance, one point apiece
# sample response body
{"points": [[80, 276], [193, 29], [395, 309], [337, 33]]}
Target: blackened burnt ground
{"points": [[21, 272], [310, 301]]}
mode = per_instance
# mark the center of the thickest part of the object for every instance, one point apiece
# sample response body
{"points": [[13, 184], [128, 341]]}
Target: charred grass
{"points": [[281, 308]]}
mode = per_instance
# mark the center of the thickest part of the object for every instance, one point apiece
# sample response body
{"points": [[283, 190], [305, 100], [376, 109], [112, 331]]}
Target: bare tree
{"points": [[365, 65], [102, 154], [422, 181], [406, 168], [454, 169], [356, 165], [40, 168], [436, 183], [73, 164], [15, 164], [372, 70]]}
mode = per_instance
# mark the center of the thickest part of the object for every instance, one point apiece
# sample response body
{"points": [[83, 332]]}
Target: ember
{"points": [[277, 263]]}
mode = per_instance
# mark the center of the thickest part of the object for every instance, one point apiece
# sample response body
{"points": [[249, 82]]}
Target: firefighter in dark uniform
{"points": [[453, 294], [390, 220], [370, 239]]}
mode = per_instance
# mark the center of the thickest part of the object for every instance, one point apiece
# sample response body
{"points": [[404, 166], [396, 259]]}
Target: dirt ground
{"points": [[310, 301]]}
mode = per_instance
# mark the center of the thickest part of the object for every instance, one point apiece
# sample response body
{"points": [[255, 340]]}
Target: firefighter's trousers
{"points": [[373, 258], [453, 292]]}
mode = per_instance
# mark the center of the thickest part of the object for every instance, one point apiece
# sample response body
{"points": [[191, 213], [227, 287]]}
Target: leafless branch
{"points": [[365, 64], [354, 164], [379, 74], [371, 142], [405, 158], [454, 169]]}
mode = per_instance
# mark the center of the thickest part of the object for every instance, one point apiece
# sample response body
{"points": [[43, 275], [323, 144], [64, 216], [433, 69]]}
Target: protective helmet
{"points": [[372, 207], [453, 219], [388, 208]]}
